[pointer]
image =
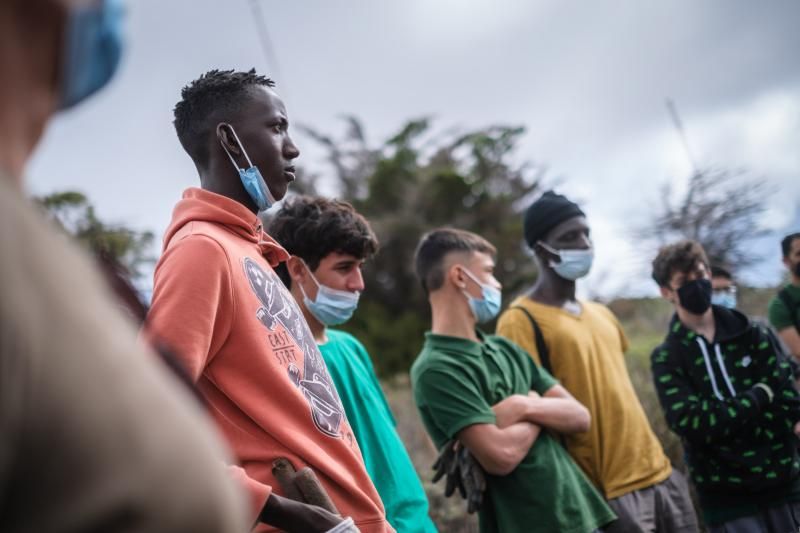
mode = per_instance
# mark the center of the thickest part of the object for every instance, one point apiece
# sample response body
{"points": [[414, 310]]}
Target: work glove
{"points": [[463, 473]]}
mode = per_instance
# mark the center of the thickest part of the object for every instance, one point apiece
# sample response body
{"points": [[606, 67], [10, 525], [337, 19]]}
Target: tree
{"points": [[72, 211], [414, 182], [720, 210]]}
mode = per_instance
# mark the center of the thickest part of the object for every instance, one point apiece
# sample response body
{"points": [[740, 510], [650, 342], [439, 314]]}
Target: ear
{"points": [[544, 256], [296, 268], [787, 263], [456, 276], [666, 293], [227, 138]]}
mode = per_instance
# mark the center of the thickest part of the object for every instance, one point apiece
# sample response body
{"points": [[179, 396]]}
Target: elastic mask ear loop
{"points": [[250, 163], [313, 277], [549, 248]]}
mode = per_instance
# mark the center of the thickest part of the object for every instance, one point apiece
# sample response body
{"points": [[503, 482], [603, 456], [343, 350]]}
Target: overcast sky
{"points": [[587, 79]]}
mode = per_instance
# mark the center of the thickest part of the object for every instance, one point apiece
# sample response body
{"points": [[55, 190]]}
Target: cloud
{"points": [[588, 80]]}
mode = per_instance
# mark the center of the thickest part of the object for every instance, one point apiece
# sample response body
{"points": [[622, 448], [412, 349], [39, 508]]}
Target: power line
{"points": [[676, 119], [270, 57]]}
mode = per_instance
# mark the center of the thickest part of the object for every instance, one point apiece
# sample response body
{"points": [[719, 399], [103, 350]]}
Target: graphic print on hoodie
{"points": [[218, 304], [737, 442], [313, 379]]}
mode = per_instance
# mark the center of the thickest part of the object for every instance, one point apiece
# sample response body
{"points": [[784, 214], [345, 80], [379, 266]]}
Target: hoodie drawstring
{"points": [[710, 370], [724, 370]]}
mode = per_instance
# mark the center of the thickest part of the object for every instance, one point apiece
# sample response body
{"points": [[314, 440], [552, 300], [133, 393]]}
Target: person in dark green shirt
{"points": [[329, 242], [488, 393], [730, 397], [784, 309]]}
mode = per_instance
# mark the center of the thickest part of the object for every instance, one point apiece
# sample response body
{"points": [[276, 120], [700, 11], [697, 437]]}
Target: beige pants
{"points": [[662, 508]]}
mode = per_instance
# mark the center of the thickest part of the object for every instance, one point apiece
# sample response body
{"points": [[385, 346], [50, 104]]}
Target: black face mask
{"points": [[695, 296]]}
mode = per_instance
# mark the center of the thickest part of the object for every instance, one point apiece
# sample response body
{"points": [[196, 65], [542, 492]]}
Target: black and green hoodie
{"points": [[739, 445]]}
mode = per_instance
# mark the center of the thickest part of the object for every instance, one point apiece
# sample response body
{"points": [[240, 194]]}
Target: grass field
{"points": [[645, 322]]}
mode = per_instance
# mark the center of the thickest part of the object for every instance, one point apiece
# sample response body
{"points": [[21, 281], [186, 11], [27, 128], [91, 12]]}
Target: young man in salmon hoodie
{"points": [[218, 304]]}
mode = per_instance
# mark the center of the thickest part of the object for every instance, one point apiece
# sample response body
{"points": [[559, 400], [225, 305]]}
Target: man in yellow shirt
{"points": [[582, 345]]}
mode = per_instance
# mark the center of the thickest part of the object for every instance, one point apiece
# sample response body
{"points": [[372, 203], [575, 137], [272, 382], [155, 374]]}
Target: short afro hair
{"points": [[436, 245], [208, 100], [680, 257], [313, 228]]}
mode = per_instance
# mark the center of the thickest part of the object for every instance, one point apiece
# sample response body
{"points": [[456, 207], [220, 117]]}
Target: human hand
{"points": [[292, 516], [797, 429]]}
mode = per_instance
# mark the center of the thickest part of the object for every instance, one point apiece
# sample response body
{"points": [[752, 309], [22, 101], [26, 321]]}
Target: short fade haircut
{"points": [[786, 243], [436, 245], [718, 271], [681, 257], [207, 101], [313, 228]]}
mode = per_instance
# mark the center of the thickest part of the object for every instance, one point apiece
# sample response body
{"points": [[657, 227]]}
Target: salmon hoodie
{"points": [[239, 333]]}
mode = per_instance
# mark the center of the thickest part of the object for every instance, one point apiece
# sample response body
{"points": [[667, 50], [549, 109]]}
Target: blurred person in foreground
{"points": [[329, 242], [727, 393], [487, 393], [583, 345], [95, 434], [784, 308], [220, 307]]}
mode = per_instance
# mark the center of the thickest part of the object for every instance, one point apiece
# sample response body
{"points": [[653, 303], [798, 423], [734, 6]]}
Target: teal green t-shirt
{"points": [[779, 315], [369, 415], [456, 381]]}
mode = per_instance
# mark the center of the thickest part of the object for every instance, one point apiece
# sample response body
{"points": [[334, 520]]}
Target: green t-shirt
{"points": [[780, 316], [456, 381], [369, 415]]}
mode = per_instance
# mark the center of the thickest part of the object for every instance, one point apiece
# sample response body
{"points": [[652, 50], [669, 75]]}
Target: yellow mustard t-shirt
{"points": [[620, 453]]}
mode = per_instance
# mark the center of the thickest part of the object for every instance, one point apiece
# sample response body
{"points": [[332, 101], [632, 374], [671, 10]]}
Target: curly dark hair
{"points": [[682, 256], [312, 228], [208, 100], [435, 245]]}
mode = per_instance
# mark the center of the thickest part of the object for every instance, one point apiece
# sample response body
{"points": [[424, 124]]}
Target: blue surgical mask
{"points": [[331, 307], [251, 178], [487, 307], [92, 49], [724, 299], [573, 264]]}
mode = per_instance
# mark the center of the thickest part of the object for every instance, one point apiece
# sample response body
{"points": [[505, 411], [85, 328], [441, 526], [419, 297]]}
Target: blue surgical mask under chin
{"points": [[573, 264], [331, 307], [92, 49], [724, 299], [487, 307], [251, 178]]}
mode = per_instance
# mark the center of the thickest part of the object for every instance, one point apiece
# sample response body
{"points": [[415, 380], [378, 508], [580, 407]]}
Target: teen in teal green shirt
{"points": [[329, 241], [369, 415]]}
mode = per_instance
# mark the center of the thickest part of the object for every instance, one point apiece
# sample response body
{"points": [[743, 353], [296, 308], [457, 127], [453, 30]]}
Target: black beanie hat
{"points": [[546, 213]]}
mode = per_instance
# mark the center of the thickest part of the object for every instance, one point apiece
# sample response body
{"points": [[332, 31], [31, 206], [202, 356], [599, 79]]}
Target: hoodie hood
{"points": [[200, 205], [728, 325]]}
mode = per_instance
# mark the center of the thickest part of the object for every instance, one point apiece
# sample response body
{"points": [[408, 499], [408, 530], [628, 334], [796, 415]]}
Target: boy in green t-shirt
{"points": [[784, 309], [329, 242], [486, 392]]}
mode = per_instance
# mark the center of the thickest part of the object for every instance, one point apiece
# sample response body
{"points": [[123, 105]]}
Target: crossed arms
{"points": [[501, 446]]}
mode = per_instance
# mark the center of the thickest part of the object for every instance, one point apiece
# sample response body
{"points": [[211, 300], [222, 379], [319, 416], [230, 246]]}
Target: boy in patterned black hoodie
{"points": [[729, 397]]}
